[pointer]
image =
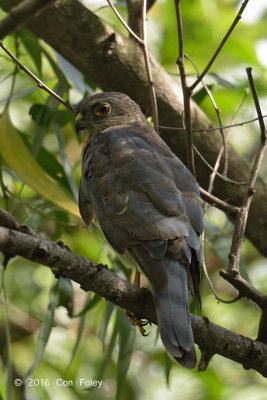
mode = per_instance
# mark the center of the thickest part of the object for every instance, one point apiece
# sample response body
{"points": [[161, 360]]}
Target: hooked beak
{"points": [[79, 123]]}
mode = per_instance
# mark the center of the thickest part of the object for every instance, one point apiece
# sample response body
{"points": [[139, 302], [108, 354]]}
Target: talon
{"points": [[140, 323]]}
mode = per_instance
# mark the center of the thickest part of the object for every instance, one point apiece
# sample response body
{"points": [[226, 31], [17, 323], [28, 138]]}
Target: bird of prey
{"points": [[147, 203]]}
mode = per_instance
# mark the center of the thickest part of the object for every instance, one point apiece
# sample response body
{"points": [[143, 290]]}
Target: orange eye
{"points": [[102, 109]]}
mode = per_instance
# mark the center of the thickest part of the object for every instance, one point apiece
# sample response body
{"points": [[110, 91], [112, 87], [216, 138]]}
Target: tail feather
{"points": [[173, 314]]}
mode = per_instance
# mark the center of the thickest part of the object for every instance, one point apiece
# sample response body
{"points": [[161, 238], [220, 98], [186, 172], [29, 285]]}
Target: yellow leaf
{"points": [[19, 159]]}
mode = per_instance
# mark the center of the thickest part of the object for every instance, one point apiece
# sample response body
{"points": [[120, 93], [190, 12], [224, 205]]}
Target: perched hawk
{"points": [[147, 203]]}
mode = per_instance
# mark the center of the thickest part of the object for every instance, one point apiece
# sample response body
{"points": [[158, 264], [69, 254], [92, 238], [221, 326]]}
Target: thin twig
{"points": [[245, 288], [241, 219], [224, 177], [143, 42], [223, 151], [215, 55], [148, 70], [220, 204], [204, 266], [34, 77], [172, 128], [215, 173], [186, 92], [126, 26]]}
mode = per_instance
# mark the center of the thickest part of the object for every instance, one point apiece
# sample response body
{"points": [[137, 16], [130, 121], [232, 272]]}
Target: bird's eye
{"points": [[102, 109]]}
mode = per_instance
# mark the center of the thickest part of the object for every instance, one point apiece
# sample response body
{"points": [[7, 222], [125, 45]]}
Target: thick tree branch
{"points": [[211, 338], [19, 14]]}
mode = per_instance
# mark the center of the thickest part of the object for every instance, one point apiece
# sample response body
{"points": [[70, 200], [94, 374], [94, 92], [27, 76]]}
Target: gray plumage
{"points": [[146, 202]]}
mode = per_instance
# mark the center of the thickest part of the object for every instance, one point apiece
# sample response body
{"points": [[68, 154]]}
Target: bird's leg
{"points": [[132, 317]]}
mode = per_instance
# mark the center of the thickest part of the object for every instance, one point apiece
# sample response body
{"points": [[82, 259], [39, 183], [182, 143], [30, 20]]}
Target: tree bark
{"points": [[115, 63]]}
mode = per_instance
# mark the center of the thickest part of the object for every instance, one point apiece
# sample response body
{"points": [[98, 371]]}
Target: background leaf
{"points": [[17, 156]]}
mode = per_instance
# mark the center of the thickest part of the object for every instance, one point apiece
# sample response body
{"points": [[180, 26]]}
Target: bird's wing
{"points": [[85, 206], [133, 188]]}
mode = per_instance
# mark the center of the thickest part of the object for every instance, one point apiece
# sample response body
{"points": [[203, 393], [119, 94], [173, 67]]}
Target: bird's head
{"points": [[105, 110]]}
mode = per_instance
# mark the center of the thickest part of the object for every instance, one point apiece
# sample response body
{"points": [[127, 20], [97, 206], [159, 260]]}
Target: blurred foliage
{"points": [[51, 328]]}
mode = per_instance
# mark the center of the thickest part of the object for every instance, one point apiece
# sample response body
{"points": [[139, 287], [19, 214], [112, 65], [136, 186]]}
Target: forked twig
{"points": [[215, 55], [242, 216], [186, 92], [143, 42]]}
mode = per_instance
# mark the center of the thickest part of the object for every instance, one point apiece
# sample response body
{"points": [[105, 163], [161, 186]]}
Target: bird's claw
{"points": [[136, 321]]}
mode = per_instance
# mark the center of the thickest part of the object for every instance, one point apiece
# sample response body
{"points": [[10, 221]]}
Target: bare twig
{"points": [[213, 58], [221, 129], [186, 92], [19, 14], [241, 219], [224, 147], [222, 205], [245, 288], [135, 11], [175, 129], [143, 42], [224, 177], [204, 266], [34, 77], [148, 70], [126, 26]]}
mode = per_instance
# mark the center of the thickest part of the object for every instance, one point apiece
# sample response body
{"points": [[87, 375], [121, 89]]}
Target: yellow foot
{"points": [[138, 322]]}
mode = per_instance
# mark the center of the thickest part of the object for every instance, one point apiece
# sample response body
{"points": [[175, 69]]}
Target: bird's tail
{"points": [[173, 314]]}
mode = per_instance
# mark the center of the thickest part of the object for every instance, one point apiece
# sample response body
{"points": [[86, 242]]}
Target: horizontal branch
{"points": [[211, 338]]}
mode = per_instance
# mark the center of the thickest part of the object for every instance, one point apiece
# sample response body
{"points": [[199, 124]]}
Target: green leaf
{"points": [[65, 161], [168, 366], [77, 341], [89, 304], [105, 321], [8, 340], [32, 46], [201, 94], [49, 163], [61, 77], [17, 157], [127, 333], [41, 115], [65, 292], [107, 357], [46, 328]]}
